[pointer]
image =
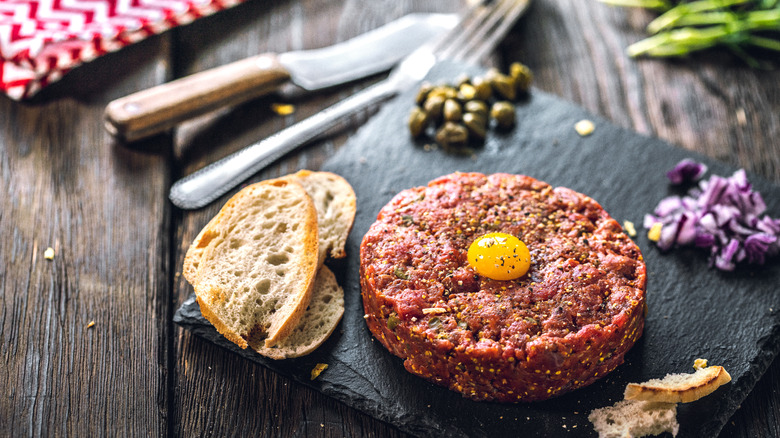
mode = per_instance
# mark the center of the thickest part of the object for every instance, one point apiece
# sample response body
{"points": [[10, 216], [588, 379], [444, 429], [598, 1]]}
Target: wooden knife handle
{"points": [[157, 109]]}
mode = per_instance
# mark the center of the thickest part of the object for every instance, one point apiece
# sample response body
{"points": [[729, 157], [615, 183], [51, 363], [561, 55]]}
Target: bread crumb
{"points": [[91, 324], [49, 253], [629, 227], [584, 127], [741, 117], [699, 364], [679, 388], [655, 232], [318, 369], [283, 109], [632, 418]]}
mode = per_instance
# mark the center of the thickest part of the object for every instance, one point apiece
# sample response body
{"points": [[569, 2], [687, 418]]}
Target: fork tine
{"points": [[457, 36], [485, 27], [474, 34], [486, 44]]}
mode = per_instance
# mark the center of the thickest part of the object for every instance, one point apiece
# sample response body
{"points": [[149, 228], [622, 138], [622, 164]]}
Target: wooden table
{"points": [[119, 244]]}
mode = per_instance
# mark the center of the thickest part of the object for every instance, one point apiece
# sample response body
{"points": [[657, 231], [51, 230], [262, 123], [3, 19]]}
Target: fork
{"points": [[478, 34]]}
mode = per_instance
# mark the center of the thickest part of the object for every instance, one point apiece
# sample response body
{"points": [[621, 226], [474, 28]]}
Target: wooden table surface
{"points": [[119, 243]]}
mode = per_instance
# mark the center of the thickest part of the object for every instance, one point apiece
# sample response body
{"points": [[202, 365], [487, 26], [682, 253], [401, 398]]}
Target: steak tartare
{"points": [[564, 324]]}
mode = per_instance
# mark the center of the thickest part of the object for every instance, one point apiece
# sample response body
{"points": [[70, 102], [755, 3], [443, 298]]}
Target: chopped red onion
{"points": [[686, 171], [722, 214]]}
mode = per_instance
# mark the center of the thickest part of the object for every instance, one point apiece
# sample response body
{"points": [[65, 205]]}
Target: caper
{"points": [[466, 92], [476, 125], [504, 114], [433, 106], [482, 88], [452, 111], [477, 107], [463, 111], [523, 76], [504, 86], [418, 121], [452, 135], [422, 93], [443, 91]]}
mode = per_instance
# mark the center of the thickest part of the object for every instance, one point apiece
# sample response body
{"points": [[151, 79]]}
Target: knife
{"points": [[207, 184], [157, 109]]}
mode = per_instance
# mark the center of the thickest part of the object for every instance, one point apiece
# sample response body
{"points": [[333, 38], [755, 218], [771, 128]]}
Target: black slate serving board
{"points": [[732, 319]]}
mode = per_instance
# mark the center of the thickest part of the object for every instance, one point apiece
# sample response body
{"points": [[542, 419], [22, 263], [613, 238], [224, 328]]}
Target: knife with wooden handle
{"points": [[160, 108]]}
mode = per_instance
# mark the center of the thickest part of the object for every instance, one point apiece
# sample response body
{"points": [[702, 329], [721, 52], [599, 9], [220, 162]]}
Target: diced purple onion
{"points": [[722, 214], [686, 171]]}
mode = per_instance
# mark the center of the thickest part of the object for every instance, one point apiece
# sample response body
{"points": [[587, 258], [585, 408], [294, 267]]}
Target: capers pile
{"points": [[462, 114]]}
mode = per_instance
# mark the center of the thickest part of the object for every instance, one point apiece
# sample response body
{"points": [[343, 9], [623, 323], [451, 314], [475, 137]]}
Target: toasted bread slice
{"points": [[335, 202], [321, 318], [253, 265], [679, 388], [634, 418]]}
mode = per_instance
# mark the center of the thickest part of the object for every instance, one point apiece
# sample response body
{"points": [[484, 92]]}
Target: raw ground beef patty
{"points": [[566, 323]]}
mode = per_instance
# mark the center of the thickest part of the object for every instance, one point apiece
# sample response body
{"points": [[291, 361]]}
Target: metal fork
{"points": [[477, 35]]}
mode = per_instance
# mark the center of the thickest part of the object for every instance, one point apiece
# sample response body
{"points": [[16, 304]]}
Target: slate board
{"points": [[694, 311]]}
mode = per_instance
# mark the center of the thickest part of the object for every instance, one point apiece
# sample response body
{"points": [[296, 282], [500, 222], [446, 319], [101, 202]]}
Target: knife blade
{"points": [[160, 108], [207, 184]]}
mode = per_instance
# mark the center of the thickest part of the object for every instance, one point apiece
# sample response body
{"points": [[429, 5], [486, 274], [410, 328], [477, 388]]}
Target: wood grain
{"points": [[119, 245], [101, 209], [709, 103]]}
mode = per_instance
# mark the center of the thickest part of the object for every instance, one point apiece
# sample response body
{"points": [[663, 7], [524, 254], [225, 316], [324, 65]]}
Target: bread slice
{"points": [[322, 316], [195, 251], [679, 388], [634, 418], [335, 202], [253, 265]]}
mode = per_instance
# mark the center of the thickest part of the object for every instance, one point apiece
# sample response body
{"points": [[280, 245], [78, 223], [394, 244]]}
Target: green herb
{"points": [[392, 321], [400, 273], [687, 26]]}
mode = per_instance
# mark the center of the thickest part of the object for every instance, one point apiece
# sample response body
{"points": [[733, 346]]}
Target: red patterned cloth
{"points": [[41, 40]]}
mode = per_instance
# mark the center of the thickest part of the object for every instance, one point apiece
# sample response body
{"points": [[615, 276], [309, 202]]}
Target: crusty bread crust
{"points": [[679, 388], [336, 205], [319, 321], [221, 328], [195, 251]]}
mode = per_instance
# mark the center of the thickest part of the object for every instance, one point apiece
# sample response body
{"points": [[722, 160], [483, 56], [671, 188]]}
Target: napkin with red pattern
{"points": [[41, 40]]}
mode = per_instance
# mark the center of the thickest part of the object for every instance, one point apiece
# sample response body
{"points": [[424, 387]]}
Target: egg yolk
{"points": [[499, 256]]}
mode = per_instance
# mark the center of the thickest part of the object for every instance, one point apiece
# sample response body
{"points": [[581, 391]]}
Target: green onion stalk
{"points": [[686, 26]]}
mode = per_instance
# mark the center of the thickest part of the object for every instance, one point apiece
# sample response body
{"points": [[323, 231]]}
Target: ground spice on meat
{"points": [[568, 322]]}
